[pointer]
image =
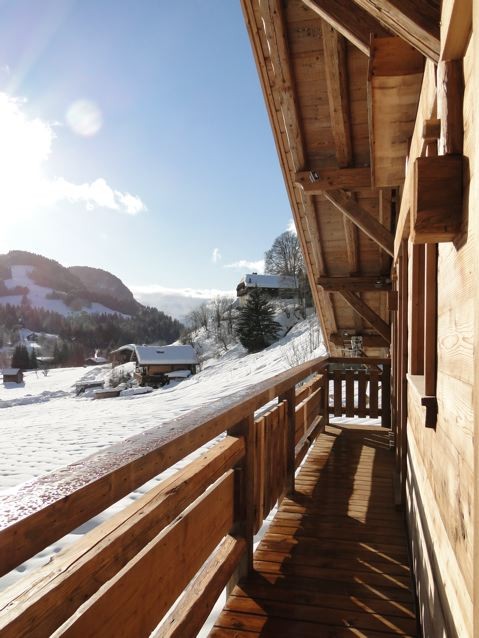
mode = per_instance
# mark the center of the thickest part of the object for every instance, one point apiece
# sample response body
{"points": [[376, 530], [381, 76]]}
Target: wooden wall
{"points": [[440, 476]]}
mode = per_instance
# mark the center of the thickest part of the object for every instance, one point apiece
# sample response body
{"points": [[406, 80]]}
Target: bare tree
{"points": [[284, 257]]}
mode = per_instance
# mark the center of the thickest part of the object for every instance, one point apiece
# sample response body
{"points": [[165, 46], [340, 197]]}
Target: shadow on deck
{"points": [[334, 561]]}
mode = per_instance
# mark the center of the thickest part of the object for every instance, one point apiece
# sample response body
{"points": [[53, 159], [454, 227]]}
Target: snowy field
{"points": [[44, 425]]}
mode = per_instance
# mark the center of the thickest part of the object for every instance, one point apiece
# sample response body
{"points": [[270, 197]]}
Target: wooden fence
{"points": [[189, 536], [361, 388]]}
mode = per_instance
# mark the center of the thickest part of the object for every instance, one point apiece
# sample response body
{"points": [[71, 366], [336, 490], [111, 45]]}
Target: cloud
{"points": [[216, 256], [177, 302], [244, 264], [291, 227], [25, 148]]}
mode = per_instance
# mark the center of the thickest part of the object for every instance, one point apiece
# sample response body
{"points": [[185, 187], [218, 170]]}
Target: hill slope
{"points": [[27, 278]]}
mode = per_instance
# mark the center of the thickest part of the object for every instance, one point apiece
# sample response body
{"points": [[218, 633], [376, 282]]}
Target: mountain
{"points": [[34, 280], [106, 286]]}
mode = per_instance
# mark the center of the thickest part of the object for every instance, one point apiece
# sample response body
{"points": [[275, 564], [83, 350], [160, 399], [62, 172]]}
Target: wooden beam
{"points": [[350, 21], [367, 313], [450, 98], [369, 341], [415, 21], [355, 283], [314, 182], [362, 218], [335, 64], [456, 28]]}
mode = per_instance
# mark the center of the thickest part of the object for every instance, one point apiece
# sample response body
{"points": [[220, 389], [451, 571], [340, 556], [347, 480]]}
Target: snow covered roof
{"points": [[151, 355], [97, 359], [128, 346], [254, 280], [10, 371]]}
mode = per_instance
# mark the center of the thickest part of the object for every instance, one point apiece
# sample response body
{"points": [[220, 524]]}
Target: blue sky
{"points": [[151, 143]]}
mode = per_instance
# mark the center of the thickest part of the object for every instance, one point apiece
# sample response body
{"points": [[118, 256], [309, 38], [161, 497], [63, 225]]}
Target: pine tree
{"points": [[21, 358], [256, 327], [33, 359]]}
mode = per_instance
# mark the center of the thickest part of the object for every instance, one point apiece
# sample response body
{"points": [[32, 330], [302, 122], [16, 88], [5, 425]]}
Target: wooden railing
{"points": [[189, 536], [361, 388]]}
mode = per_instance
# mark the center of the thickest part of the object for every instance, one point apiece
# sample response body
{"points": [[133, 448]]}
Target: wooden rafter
{"points": [[314, 182], [363, 219], [415, 21], [355, 283], [352, 22], [266, 26], [367, 313], [338, 94]]}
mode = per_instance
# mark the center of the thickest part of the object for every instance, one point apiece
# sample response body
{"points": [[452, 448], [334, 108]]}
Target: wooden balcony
{"points": [[335, 552]]}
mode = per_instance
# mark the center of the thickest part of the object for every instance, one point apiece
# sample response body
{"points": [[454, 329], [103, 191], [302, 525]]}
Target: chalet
{"points": [[373, 106], [273, 286], [12, 375], [156, 365], [122, 355]]}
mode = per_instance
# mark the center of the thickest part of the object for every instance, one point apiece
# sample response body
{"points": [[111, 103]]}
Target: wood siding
{"points": [[440, 481]]}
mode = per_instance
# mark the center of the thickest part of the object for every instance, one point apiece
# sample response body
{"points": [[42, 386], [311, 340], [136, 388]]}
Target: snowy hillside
{"points": [[38, 296], [44, 425]]}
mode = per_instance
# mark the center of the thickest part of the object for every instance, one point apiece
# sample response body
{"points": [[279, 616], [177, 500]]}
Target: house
{"points": [[273, 286], [122, 355], [12, 375], [155, 363]]}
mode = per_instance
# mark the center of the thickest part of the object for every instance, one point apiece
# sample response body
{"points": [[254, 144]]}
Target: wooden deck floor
{"points": [[334, 561]]}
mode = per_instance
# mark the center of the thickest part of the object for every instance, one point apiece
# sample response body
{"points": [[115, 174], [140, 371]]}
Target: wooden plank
{"points": [[334, 46], [416, 319], [373, 394], [450, 99], [352, 22], [355, 283], [315, 181], [202, 593], [386, 396], [43, 510], [291, 427], [259, 478], [456, 28], [338, 393], [415, 21], [133, 602], [362, 386], [430, 319], [47, 597], [350, 377], [392, 56], [363, 219], [367, 313]]}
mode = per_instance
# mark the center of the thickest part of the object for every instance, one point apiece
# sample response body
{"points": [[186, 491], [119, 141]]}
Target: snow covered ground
{"points": [[44, 425]]}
